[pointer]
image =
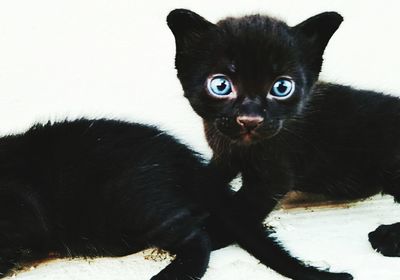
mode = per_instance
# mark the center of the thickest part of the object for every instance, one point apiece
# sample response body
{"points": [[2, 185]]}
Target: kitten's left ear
{"points": [[315, 34], [187, 27]]}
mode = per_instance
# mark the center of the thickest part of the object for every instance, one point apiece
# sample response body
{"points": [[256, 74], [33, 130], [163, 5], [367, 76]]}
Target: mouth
{"points": [[248, 137]]}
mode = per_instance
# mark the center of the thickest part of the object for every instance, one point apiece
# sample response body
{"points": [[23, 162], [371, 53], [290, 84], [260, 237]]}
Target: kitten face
{"points": [[247, 76]]}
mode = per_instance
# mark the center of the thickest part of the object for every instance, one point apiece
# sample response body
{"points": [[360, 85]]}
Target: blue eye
{"points": [[219, 85], [282, 88]]}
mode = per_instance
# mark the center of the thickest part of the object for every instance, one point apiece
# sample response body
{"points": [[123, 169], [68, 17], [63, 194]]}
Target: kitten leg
{"points": [[265, 248], [23, 232], [385, 239], [223, 173], [10, 247], [254, 199], [220, 237], [17, 247], [191, 260], [270, 253], [260, 194]]}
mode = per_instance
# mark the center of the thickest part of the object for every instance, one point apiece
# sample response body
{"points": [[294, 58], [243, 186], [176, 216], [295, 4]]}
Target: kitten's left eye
{"points": [[219, 85], [283, 88]]}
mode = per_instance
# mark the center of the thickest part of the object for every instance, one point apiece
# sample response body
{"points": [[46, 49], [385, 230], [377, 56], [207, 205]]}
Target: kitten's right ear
{"points": [[187, 26], [315, 34]]}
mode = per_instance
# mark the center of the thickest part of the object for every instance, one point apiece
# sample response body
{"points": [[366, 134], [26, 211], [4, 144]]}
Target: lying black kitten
{"points": [[253, 80], [109, 188]]}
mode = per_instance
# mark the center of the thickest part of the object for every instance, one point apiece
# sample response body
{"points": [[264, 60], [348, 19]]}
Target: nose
{"points": [[249, 122]]}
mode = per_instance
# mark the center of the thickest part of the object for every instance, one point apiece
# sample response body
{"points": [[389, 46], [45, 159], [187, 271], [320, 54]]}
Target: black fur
{"points": [[101, 188], [325, 138], [109, 188]]}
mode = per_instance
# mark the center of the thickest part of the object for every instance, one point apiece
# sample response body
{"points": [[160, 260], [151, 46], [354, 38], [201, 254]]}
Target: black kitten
{"points": [[109, 188], [253, 80], [100, 188]]}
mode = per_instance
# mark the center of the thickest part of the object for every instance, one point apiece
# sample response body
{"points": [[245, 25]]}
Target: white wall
{"points": [[115, 58]]}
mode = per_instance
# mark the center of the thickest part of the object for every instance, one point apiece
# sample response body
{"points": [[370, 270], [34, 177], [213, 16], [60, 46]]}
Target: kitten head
{"points": [[246, 76]]}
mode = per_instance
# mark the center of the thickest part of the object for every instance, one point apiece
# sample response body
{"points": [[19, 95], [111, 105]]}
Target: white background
{"points": [[115, 58], [81, 58]]}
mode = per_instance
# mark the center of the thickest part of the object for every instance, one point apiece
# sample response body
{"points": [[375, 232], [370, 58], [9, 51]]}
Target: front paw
{"points": [[386, 240], [324, 275], [342, 276], [161, 276], [171, 274]]}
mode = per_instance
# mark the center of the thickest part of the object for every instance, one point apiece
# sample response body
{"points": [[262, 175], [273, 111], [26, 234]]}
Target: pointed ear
{"points": [[187, 26], [315, 33]]}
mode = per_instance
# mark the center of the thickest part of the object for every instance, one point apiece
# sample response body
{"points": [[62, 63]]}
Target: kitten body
{"points": [[338, 148], [100, 188], [254, 81], [108, 188]]}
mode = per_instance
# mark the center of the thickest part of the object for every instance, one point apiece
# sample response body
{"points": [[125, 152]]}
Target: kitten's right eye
{"points": [[282, 89], [220, 86]]}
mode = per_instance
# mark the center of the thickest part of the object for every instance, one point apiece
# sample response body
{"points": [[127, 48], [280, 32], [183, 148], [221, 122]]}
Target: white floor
{"points": [[326, 237]]}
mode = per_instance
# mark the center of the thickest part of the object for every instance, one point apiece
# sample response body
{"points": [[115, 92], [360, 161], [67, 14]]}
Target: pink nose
{"points": [[249, 122]]}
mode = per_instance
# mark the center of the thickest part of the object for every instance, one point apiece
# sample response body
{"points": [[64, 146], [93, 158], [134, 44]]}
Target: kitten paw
{"points": [[171, 274], [341, 276], [386, 240], [331, 276]]}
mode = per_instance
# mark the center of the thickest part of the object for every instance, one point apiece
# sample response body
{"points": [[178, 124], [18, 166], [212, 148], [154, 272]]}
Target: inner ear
{"points": [[187, 26], [315, 33]]}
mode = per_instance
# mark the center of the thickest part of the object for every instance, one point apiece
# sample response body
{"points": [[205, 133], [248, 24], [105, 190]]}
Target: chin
{"points": [[251, 138], [246, 139]]}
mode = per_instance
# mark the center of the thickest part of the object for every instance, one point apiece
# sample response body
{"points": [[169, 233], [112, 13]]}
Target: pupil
{"points": [[221, 86], [282, 87]]}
